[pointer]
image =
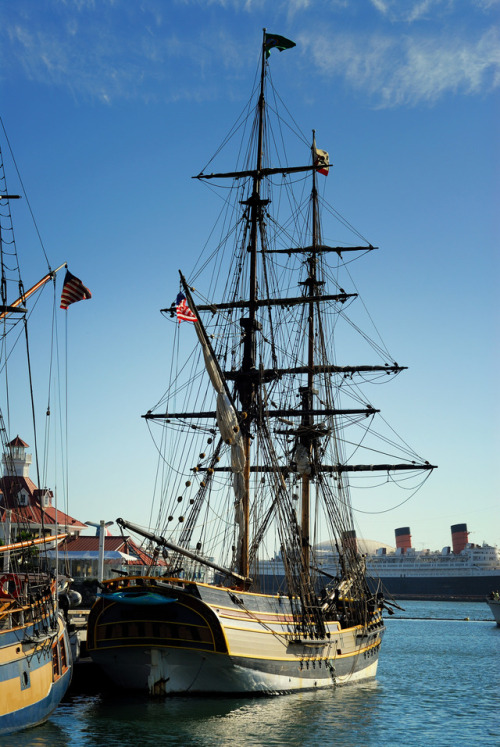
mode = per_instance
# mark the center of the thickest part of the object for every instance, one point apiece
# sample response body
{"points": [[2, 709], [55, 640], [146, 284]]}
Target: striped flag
{"points": [[73, 290], [184, 313]]}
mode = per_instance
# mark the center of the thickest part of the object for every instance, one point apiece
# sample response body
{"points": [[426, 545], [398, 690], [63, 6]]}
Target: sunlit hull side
{"points": [[494, 605], [214, 640], [35, 673]]}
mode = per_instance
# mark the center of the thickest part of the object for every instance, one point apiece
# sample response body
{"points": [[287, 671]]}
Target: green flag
{"points": [[273, 41]]}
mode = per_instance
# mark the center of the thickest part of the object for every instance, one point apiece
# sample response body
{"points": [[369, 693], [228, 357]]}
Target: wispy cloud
{"points": [[109, 51], [415, 10], [410, 10], [409, 70], [430, 70], [113, 55]]}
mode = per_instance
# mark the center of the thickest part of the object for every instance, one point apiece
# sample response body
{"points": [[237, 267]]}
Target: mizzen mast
{"points": [[306, 439]]}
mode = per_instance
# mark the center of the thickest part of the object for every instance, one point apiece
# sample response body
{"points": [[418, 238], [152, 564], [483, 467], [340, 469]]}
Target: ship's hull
{"points": [[440, 587], [35, 673], [494, 605], [213, 640], [466, 588]]}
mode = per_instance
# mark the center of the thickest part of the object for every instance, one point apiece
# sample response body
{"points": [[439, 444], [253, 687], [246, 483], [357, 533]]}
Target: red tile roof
{"points": [[12, 485], [36, 515], [91, 542], [116, 543], [62, 518], [18, 442]]}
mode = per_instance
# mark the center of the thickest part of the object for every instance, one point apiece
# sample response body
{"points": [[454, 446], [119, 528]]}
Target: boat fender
{"points": [[75, 598]]}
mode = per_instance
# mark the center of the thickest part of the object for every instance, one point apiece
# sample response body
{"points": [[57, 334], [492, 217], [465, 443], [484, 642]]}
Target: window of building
{"points": [[23, 498]]}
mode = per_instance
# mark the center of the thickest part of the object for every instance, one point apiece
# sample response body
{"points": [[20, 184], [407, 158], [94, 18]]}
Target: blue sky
{"points": [[112, 105]]}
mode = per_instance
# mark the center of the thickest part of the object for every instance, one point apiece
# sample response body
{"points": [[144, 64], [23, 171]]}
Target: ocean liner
{"points": [[463, 570], [254, 449]]}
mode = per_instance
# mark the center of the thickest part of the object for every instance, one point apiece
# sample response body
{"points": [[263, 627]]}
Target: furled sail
{"points": [[227, 422]]}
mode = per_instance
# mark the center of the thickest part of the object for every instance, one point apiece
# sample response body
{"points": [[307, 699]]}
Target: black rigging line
{"points": [[25, 193], [393, 508]]}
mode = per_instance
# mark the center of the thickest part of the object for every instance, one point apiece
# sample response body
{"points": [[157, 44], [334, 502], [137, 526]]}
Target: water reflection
{"points": [[39, 736], [344, 714], [298, 719], [438, 683]]}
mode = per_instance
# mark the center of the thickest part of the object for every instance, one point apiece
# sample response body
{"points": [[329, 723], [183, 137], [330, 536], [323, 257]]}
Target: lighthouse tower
{"points": [[24, 506], [16, 462]]}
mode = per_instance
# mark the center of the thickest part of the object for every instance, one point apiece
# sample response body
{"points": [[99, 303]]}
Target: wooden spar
{"points": [[260, 172], [14, 306], [201, 328], [321, 248], [338, 468], [342, 297], [267, 374], [159, 540], [269, 413], [296, 300], [29, 543]]}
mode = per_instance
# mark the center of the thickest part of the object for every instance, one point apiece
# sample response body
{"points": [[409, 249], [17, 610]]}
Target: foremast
{"points": [[247, 380]]}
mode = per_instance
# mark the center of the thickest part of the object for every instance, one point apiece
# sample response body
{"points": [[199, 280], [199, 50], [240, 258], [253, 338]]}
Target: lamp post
{"points": [[6, 557], [101, 533]]}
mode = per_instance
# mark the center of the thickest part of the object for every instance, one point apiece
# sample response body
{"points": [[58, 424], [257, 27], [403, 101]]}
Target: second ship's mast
{"points": [[307, 392]]}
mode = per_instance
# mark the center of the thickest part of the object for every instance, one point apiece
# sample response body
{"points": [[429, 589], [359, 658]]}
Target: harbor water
{"points": [[438, 683]]}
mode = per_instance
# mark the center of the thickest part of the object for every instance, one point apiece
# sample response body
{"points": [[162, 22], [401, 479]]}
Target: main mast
{"points": [[246, 384]]}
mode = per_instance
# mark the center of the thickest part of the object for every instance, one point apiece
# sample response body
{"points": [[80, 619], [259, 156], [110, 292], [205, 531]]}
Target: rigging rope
{"points": [[25, 193]]}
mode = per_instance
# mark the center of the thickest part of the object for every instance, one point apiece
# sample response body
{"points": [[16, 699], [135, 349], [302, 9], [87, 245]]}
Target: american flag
{"points": [[184, 313], [73, 290]]}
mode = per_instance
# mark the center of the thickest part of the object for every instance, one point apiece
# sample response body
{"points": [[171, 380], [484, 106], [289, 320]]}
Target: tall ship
{"points": [[256, 435], [36, 659], [460, 571]]}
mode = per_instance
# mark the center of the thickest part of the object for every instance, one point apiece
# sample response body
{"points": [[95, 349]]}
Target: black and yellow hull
{"points": [[197, 638]]}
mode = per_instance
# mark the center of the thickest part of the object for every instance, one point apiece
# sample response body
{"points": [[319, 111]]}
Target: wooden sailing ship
{"points": [[254, 456], [35, 660], [36, 665]]}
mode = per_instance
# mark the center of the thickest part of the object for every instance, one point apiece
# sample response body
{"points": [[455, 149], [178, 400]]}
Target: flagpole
{"points": [[15, 306]]}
